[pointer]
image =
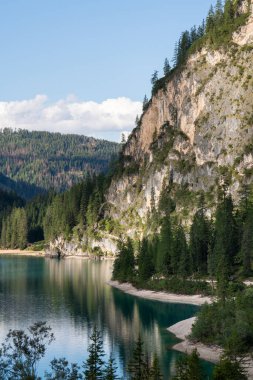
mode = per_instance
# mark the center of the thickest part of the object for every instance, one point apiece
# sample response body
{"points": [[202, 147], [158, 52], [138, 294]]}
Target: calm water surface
{"points": [[72, 296]]}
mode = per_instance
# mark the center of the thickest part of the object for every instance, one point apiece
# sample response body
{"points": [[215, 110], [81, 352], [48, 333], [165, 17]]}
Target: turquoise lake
{"points": [[72, 296]]}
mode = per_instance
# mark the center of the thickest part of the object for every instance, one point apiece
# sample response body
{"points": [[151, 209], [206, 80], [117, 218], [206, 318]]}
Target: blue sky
{"points": [[84, 52]]}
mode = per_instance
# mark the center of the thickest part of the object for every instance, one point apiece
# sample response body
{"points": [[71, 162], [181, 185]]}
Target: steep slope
{"points": [[196, 133], [51, 160], [194, 136], [21, 188]]}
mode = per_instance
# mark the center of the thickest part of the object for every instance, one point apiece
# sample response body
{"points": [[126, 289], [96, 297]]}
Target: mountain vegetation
{"points": [[22, 189], [215, 31], [178, 202], [51, 160], [22, 351]]}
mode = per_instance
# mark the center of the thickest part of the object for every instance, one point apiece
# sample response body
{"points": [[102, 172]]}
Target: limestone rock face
{"points": [[196, 131]]}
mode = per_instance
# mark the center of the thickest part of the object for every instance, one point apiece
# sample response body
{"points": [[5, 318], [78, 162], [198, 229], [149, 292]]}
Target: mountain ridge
{"points": [[52, 160]]}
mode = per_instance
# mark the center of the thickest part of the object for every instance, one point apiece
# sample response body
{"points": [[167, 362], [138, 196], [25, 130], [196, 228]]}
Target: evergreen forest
{"points": [[45, 160]]}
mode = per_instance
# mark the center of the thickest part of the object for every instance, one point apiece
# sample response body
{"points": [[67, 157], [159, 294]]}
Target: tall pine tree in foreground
{"points": [[111, 370], [94, 365], [189, 368], [137, 366]]}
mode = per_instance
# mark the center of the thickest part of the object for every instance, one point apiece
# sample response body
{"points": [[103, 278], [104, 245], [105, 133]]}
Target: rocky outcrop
{"points": [[92, 247], [196, 132]]}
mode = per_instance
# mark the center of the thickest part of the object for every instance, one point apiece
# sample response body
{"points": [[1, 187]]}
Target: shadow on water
{"points": [[72, 296]]}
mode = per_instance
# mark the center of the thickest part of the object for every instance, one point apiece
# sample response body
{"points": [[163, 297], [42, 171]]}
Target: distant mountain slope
{"points": [[52, 160], [20, 188], [8, 200]]}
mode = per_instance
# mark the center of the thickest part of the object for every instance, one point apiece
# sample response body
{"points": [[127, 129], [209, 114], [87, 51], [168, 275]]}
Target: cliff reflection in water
{"points": [[72, 296]]}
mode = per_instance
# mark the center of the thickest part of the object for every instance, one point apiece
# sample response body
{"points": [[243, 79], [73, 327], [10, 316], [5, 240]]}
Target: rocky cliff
{"points": [[196, 132]]}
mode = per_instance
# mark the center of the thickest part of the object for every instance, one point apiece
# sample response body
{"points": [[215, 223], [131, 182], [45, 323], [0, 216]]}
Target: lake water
{"points": [[72, 296]]}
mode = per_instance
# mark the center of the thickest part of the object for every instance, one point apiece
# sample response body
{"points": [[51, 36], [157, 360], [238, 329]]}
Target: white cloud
{"points": [[108, 118]]}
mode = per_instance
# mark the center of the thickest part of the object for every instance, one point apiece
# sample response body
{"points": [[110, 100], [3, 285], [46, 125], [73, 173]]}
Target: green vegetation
{"points": [[189, 368], [14, 229], [51, 160], [51, 215], [21, 353], [221, 250], [215, 32]]}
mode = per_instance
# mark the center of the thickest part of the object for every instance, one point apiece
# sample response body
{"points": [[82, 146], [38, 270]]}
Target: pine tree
{"points": [[137, 365], [225, 244], [189, 368], [218, 11], [193, 34], [210, 21], [22, 229], [154, 78], [3, 234], [166, 67], [246, 250], [94, 365], [228, 12], [229, 370], [111, 370], [145, 103], [199, 242], [164, 248], [145, 262], [124, 264], [180, 257], [155, 370]]}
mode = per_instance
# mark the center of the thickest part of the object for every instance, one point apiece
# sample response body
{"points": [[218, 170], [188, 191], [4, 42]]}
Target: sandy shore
{"points": [[181, 330], [160, 296], [21, 252], [212, 354]]}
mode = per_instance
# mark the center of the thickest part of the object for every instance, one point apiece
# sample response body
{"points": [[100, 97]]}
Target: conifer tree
{"points": [[155, 370], [210, 21], [199, 242], [111, 370], [137, 365], [124, 264], [180, 258], [224, 243], [94, 365], [145, 103], [246, 251], [166, 67], [164, 248], [189, 368], [145, 261], [154, 78]]}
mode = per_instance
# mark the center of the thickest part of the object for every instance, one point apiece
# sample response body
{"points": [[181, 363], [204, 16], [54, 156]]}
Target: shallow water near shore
{"points": [[72, 296]]}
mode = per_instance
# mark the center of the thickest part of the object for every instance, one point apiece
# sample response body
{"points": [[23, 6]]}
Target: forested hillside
{"points": [[52, 160], [21, 188]]}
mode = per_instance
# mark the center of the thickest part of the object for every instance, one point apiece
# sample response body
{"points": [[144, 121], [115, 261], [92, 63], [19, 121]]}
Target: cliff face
{"points": [[196, 132]]}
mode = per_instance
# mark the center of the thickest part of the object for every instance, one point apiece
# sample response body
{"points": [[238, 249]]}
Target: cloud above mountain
{"points": [[105, 119]]}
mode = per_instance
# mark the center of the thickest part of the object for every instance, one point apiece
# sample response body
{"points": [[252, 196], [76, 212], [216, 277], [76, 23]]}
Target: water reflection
{"points": [[72, 296]]}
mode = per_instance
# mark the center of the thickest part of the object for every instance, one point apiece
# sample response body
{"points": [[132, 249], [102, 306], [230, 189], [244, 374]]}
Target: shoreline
{"points": [[211, 354], [20, 252], [183, 328], [197, 300]]}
